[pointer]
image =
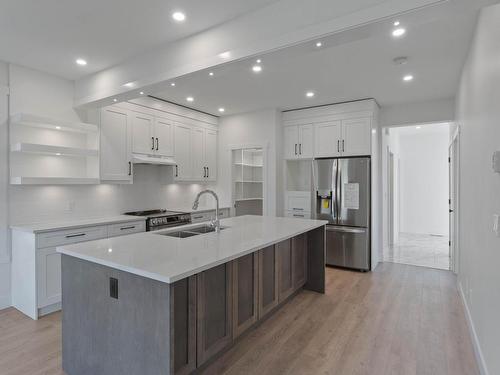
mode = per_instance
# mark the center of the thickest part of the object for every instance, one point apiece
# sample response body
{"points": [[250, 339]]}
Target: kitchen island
{"points": [[150, 303]]}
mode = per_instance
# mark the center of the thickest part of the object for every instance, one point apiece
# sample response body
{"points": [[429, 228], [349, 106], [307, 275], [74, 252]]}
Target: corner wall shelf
{"points": [[32, 120], [54, 181], [35, 148]]}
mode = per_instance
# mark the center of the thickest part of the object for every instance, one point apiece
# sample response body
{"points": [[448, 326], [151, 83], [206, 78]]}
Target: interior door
{"points": [[353, 191], [306, 141], [211, 154], [291, 142], [327, 138], [453, 205], [182, 149], [356, 137], [198, 154], [143, 141], [164, 137]]}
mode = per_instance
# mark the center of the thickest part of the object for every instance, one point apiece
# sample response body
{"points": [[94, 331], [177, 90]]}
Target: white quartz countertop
{"points": [[70, 224], [169, 259]]}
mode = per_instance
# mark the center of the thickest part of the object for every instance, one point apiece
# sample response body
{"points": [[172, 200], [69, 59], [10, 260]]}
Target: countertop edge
{"points": [[170, 280], [29, 228]]}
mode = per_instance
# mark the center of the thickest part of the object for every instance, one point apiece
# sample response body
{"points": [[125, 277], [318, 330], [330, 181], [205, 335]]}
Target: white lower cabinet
{"points": [[36, 264], [298, 215], [48, 277]]}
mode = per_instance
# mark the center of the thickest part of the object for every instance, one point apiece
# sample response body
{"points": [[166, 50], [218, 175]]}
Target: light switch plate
{"points": [[496, 225], [496, 161]]}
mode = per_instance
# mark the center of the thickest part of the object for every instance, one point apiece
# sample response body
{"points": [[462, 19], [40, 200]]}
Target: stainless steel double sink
{"points": [[194, 231]]}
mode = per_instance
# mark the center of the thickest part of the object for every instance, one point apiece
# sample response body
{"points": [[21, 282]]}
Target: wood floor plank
{"points": [[399, 320]]}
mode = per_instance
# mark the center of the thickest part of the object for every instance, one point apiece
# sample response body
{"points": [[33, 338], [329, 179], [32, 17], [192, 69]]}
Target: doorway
{"points": [[419, 216], [248, 181]]}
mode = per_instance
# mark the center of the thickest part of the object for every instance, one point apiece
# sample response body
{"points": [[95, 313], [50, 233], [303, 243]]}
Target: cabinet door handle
{"points": [[157, 144], [300, 148], [343, 148], [176, 171], [295, 215], [295, 148], [152, 143], [198, 217], [204, 171], [297, 209], [125, 228], [338, 145], [75, 235], [130, 168], [208, 172]]}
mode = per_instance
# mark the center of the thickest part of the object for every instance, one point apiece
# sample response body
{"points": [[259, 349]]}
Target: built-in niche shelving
{"points": [[248, 166], [50, 151]]}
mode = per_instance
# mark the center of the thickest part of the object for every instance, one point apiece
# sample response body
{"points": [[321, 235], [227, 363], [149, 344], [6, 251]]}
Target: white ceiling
{"points": [[49, 35], [351, 65]]}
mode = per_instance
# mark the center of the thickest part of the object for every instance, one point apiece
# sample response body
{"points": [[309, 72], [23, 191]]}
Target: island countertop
{"points": [[169, 259]]}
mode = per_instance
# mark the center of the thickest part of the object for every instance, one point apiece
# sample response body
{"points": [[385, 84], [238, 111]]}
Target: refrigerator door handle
{"points": [[330, 228]]}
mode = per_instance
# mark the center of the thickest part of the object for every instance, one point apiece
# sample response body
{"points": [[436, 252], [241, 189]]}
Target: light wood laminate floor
{"points": [[399, 319]]}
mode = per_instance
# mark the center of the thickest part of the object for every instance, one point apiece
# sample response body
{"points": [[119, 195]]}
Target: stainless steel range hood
{"points": [[156, 160]]}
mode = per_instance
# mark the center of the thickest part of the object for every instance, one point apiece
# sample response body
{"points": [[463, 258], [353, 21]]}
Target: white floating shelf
{"points": [[248, 199], [248, 182], [249, 165], [48, 123], [54, 181], [35, 148]]}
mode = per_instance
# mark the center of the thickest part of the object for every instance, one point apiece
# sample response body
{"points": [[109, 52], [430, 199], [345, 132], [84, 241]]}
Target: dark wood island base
{"points": [[115, 322]]}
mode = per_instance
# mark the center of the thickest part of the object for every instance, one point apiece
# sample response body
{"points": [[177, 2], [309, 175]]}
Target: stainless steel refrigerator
{"points": [[342, 195]]}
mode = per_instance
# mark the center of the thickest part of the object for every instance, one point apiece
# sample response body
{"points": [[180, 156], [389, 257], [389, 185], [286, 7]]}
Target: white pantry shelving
{"points": [[248, 181], [47, 151]]}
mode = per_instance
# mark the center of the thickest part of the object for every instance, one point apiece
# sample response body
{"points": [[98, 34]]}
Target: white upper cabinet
{"points": [[211, 154], [198, 154], [299, 141], [151, 135], [142, 130], [182, 151], [116, 145], [356, 137], [327, 138], [195, 153]]}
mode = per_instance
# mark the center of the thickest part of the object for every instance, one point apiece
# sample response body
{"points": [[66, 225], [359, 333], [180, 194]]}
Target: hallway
{"points": [[420, 250]]}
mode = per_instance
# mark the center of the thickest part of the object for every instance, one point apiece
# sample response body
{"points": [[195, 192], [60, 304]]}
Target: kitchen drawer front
{"points": [[298, 215], [123, 229], [64, 237], [298, 201], [201, 216]]}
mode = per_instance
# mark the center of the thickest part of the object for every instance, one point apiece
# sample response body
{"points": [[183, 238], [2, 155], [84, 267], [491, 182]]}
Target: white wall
{"points": [[478, 115], [423, 158], [4, 249], [256, 128], [442, 110]]}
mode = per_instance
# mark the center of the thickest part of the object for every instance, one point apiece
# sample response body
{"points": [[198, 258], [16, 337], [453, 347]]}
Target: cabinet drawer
{"points": [[202, 216], [122, 229], [298, 215], [68, 236], [298, 201]]}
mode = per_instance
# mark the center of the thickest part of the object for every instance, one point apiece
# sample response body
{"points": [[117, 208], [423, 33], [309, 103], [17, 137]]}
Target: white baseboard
{"points": [[475, 340], [5, 302]]}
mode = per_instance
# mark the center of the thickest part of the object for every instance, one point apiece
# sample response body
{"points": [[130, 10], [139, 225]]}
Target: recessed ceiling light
{"points": [[408, 78], [225, 55], [397, 23], [221, 110], [319, 44], [115, 100], [257, 68], [398, 32], [418, 127], [58, 127], [58, 154], [110, 250], [178, 16], [211, 74], [310, 94], [81, 62], [141, 93], [172, 84], [129, 84], [258, 61], [190, 99]]}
